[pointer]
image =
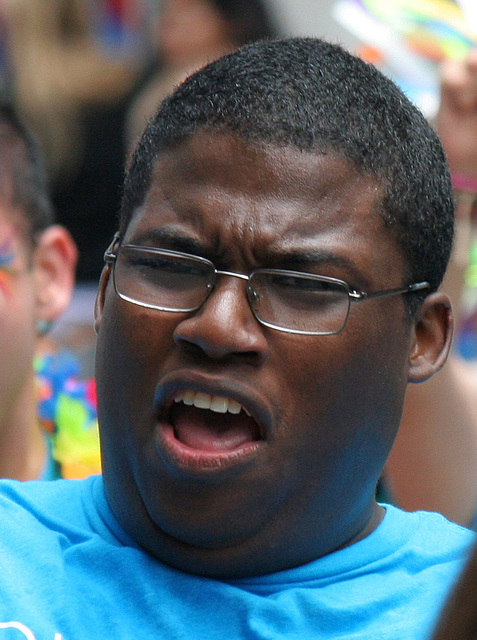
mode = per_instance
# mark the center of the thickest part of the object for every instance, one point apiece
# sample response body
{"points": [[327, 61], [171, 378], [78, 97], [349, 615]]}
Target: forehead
{"points": [[239, 197], [12, 222]]}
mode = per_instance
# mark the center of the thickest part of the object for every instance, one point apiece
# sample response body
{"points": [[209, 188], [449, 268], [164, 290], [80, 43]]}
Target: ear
{"points": [[54, 264], [433, 329], [100, 296]]}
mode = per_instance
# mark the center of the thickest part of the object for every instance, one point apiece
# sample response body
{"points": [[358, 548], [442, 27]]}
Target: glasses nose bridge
{"points": [[231, 274]]}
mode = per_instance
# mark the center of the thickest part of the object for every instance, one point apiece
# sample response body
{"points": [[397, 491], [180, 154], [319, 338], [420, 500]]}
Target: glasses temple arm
{"points": [[110, 253], [410, 288]]}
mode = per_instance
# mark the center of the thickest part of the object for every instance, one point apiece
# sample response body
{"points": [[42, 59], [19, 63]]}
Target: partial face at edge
{"points": [[17, 311], [298, 479]]}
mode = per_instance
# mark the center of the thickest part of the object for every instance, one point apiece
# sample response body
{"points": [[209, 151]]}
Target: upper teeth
{"points": [[219, 404]]}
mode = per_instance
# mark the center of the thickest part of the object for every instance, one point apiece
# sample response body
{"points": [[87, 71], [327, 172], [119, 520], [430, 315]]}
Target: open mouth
{"points": [[205, 434], [210, 423]]}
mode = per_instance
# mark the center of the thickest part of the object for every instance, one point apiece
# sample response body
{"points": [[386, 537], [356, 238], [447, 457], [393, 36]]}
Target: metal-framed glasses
{"points": [[290, 301]]}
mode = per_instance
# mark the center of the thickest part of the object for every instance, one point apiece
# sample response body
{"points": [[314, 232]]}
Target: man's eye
{"points": [[162, 264], [151, 262], [299, 283]]}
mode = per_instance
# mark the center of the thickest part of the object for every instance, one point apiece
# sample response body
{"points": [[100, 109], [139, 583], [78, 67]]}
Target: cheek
{"points": [[343, 380], [17, 342], [7, 290], [135, 338], [133, 346], [345, 402]]}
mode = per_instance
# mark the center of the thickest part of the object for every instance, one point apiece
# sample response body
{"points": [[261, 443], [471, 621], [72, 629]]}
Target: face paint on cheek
{"points": [[7, 257]]}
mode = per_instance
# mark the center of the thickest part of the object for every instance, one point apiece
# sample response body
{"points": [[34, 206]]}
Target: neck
{"points": [[22, 443]]}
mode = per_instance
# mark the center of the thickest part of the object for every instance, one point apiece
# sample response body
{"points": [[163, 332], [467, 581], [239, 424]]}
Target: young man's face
{"points": [[232, 494]]}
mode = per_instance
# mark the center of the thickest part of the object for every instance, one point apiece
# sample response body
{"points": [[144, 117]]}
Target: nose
{"points": [[224, 326]]}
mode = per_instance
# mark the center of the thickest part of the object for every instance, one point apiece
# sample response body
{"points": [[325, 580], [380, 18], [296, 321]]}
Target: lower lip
{"points": [[196, 462]]}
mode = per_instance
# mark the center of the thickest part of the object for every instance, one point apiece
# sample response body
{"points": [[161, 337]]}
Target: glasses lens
{"points": [[301, 303], [162, 280]]}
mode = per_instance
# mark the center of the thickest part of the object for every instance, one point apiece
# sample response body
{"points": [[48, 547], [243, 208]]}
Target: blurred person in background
{"points": [[458, 620], [433, 464], [190, 33], [43, 414], [70, 66]]}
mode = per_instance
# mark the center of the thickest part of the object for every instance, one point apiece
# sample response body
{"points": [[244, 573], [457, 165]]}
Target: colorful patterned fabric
{"points": [[67, 412]]}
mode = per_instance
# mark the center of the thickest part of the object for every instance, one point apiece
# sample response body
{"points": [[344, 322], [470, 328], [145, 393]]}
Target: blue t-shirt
{"points": [[69, 572]]}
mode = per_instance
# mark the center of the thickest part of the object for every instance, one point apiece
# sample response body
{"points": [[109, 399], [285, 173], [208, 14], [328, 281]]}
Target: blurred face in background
{"points": [[17, 308], [189, 29]]}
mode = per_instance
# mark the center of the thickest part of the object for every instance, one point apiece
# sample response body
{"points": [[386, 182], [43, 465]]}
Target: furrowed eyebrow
{"points": [[313, 257], [314, 260], [166, 238], [307, 260]]}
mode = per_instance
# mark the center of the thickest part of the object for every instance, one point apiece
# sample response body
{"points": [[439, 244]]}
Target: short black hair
{"points": [[317, 97], [23, 179]]}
